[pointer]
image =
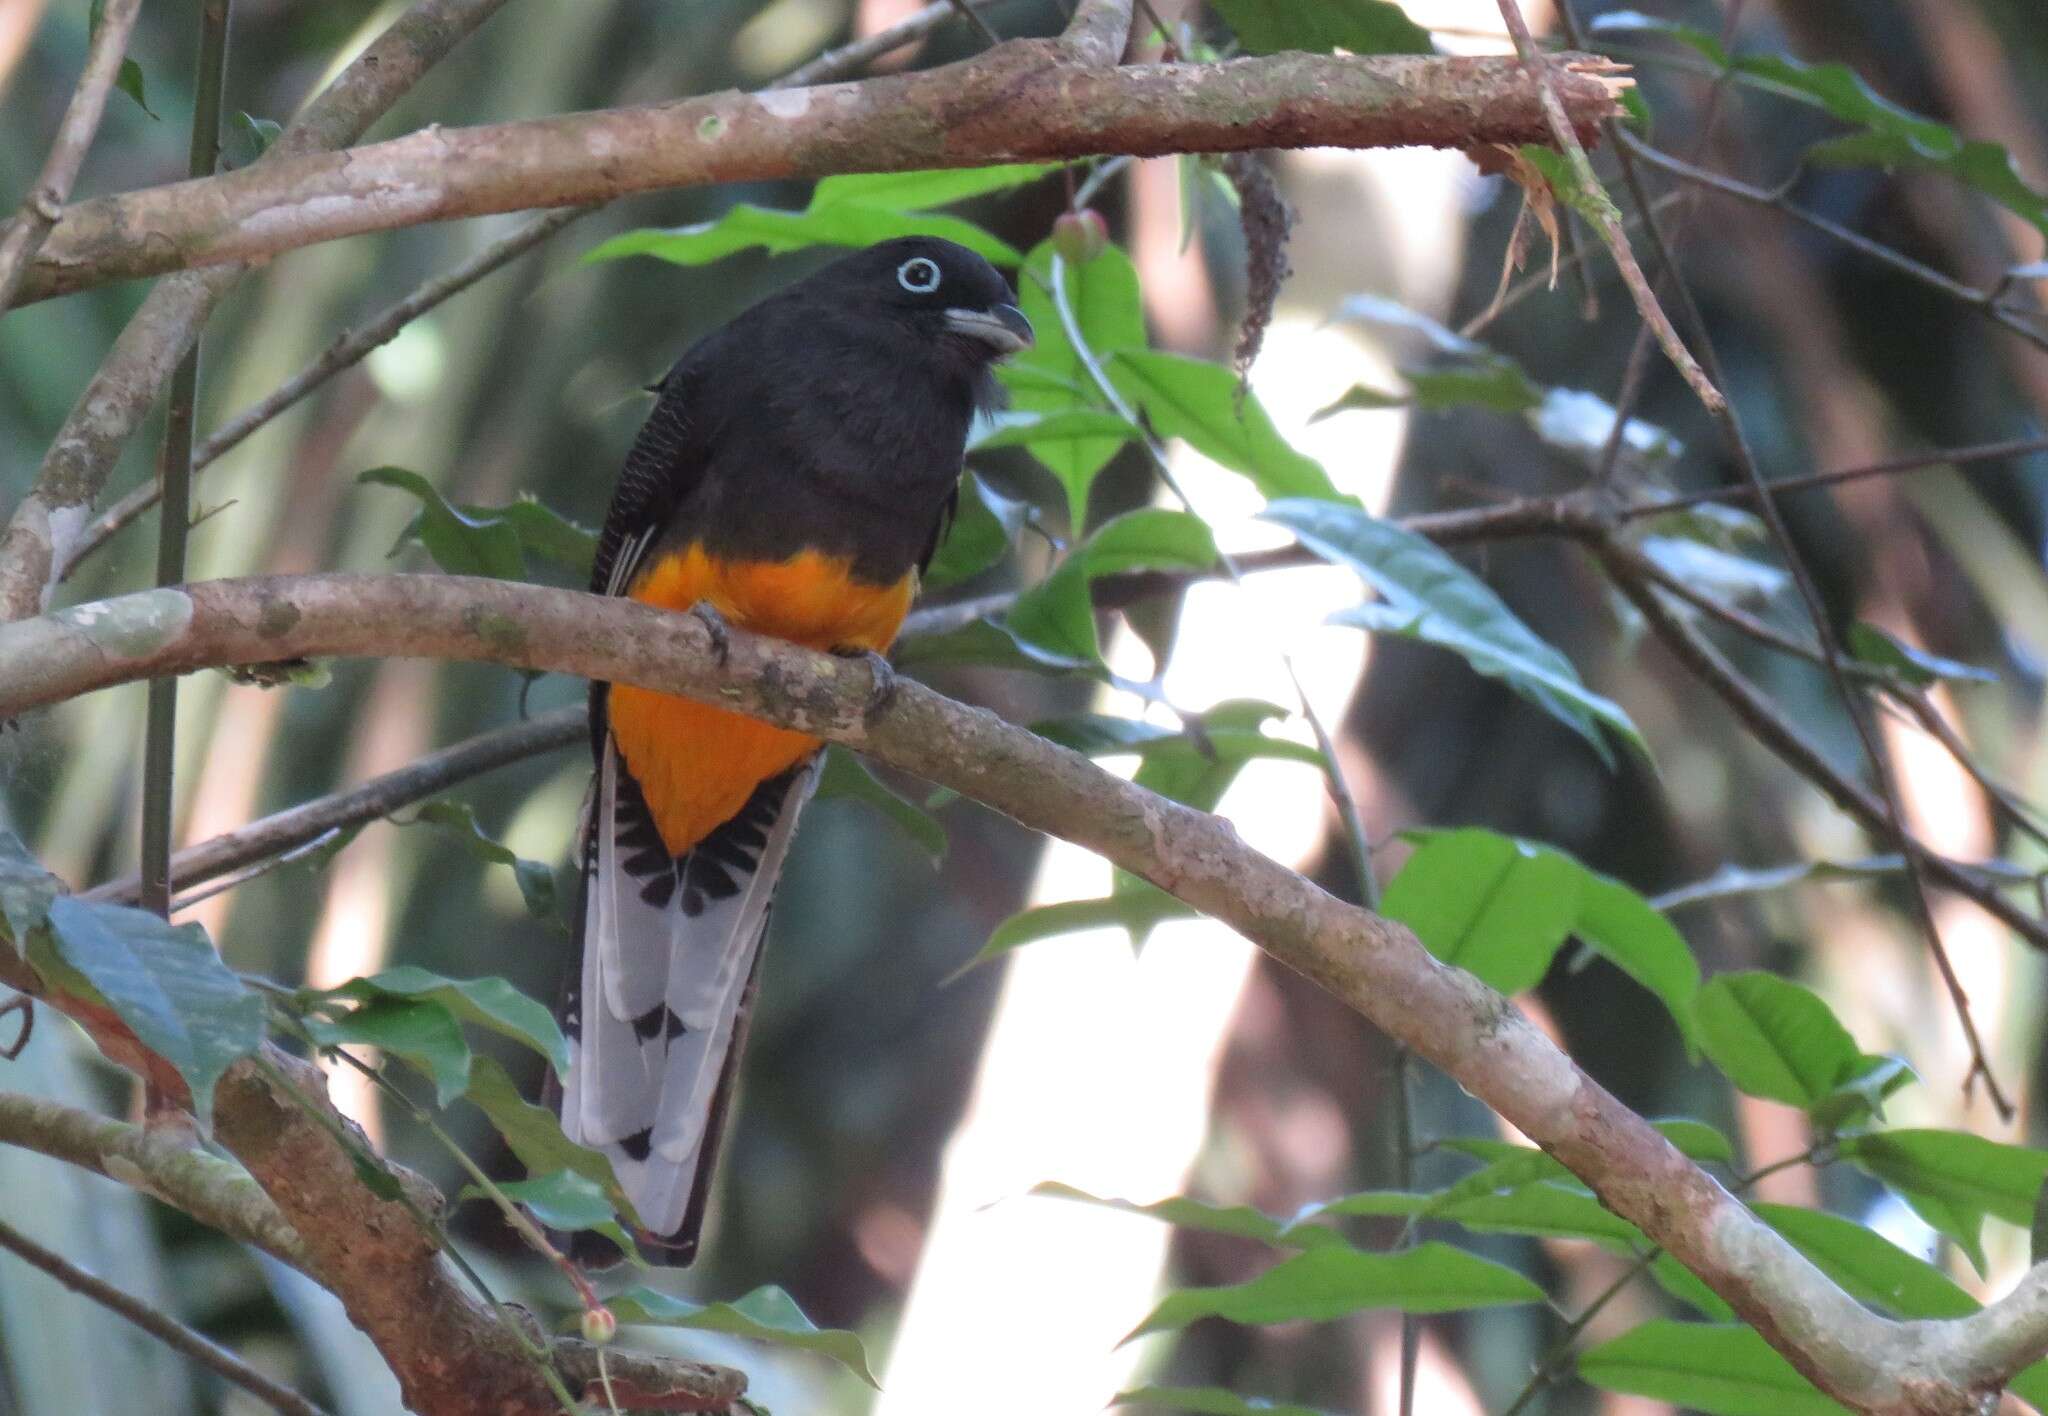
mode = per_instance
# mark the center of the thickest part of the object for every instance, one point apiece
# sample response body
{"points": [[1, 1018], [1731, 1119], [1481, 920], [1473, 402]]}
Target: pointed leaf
{"points": [[1238, 1221], [920, 191], [746, 225], [1334, 1280], [423, 1034], [166, 983], [1882, 649], [564, 1201], [1722, 1369], [1496, 907], [488, 1002], [26, 890], [766, 1315], [1871, 1267], [984, 524], [1774, 1039], [535, 1134], [1052, 377], [536, 880], [1361, 26], [1429, 596], [1201, 403], [1953, 1179], [1137, 911]]}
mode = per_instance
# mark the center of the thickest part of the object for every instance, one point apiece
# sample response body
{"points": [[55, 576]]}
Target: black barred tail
{"points": [[668, 957]]}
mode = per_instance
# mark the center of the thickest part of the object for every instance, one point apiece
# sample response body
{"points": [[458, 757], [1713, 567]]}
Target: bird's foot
{"points": [[715, 625], [883, 693]]}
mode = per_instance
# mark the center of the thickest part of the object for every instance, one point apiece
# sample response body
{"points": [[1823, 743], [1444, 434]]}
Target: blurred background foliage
{"points": [[861, 1063]]}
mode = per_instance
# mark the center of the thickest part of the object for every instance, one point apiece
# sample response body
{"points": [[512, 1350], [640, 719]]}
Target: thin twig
{"points": [[1606, 219], [299, 825], [1774, 730], [1911, 462], [45, 200], [1985, 302], [26, 1006], [973, 17], [174, 483], [152, 1320], [1893, 819]]}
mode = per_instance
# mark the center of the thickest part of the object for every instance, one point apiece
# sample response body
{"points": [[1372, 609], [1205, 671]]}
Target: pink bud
{"points": [[1080, 236], [599, 1326]]}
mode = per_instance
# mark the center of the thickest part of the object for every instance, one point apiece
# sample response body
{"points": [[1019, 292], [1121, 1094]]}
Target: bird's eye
{"points": [[919, 275]]}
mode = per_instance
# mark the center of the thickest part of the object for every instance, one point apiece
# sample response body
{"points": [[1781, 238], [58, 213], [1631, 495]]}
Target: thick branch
{"points": [[1376, 967], [218, 1193], [1027, 100]]}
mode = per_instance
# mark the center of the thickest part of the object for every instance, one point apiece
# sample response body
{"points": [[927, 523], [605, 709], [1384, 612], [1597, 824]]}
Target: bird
{"points": [[797, 472]]}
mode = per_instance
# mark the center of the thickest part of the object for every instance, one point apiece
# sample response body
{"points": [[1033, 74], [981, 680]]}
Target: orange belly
{"points": [[696, 764]]}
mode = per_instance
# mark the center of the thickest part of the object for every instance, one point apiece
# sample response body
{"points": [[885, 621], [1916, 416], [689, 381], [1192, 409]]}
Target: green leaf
{"points": [[1359, 398], [26, 890], [985, 643], [920, 191], [1322, 27], [1200, 402], [1501, 908], [1500, 387], [1887, 136], [1722, 1369], [1138, 911], [251, 137], [1884, 650], [1869, 1266], [1428, 596], [847, 777], [1510, 1167], [1496, 907], [1052, 378], [1567, 180], [1058, 615], [1953, 1179], [778, 232], [1209, 1401], [488, 1002], [1014, 429], [536, 880], [1333, 1280], [1543, 1210], [165, 982], [1684, 1285], [564, 1201], [489, 541], [765, 1315], [129, 81], [984, 523], [535, 1135], [1775, 1039], [423, 1034], [1239, 1221]]}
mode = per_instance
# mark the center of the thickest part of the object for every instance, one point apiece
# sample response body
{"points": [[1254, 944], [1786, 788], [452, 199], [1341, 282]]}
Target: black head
{"points": [[949, 299]]}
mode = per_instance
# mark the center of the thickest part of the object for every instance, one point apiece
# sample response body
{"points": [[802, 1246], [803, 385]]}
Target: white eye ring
{"points": [[919, 275]]}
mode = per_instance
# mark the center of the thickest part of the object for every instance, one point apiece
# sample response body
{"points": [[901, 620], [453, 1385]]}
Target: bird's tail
{"points": [[656, 1008]]}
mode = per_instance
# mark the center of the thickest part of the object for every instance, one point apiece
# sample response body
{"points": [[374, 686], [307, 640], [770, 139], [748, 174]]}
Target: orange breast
{"points": [[696, 764]]}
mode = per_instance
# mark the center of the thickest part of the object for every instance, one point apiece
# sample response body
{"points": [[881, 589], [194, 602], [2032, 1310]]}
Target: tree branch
{"points": [[218, 1193], [1023, 101], [1374, 966], [44, 204], [173, 1334], [380, 796], [44, 525]]}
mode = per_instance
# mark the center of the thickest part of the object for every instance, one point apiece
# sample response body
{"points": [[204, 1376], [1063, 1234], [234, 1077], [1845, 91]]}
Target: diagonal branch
{"points": [[44, 204], [1374, 966], [39, 534], [173, 1334], [1025, 100]]}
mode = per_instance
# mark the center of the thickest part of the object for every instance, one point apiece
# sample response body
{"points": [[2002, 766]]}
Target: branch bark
{"points": [[1023, 101], [44, 204], [1376, 967]]}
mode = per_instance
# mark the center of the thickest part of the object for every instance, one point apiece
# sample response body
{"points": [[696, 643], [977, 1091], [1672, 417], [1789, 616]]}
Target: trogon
{"points": [[793, 479]]}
